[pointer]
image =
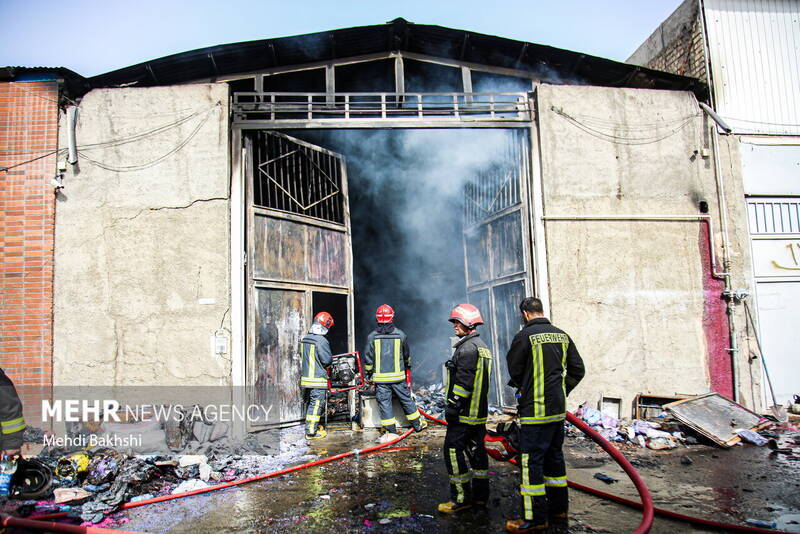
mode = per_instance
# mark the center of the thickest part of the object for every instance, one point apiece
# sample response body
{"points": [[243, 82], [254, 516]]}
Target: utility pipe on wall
{"points": [[72, 118]]}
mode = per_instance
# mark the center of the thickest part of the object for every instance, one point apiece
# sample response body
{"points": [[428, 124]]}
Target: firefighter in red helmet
{"points": [[315, 352], [467, 394], [386, 359]]}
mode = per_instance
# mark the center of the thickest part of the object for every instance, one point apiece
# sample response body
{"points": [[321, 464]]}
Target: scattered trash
{"points": [[143, 497], [72, 465], [64, 495], [685, 460], [325, 497], [189, 485], [385, 521], [605, 478], [761, 523], [753, 437]]}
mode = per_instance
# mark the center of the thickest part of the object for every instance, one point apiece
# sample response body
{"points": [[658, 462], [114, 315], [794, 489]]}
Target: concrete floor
{"points": [[402, 487]]}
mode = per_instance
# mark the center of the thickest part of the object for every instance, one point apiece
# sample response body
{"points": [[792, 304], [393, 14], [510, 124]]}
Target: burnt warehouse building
{"points": [[214, 200]]}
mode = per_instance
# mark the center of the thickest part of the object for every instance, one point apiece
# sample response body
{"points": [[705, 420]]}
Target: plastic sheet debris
{"points": [[189, 485], [750, 436]]}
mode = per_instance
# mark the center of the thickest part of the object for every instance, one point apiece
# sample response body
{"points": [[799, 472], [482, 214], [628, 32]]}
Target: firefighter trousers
{"points": [[384, 394], [464, 442], [543, 490], [315, 399]]}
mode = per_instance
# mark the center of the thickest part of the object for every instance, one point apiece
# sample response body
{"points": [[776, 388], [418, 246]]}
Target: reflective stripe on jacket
{"points": [[469, 379], [544, 366], [387, 355], [316, 356], [12, 424]]}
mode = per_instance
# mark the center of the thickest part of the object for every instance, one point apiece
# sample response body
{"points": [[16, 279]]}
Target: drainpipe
{"points": [[72, 115], [722, 203]]}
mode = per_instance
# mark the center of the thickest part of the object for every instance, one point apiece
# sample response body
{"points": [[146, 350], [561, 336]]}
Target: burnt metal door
{"points": [[497, 253], [298, 244]]}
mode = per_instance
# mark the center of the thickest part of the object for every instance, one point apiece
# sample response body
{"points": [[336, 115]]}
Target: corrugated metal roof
{"points": [[74, 83], [552, 64], [755, 63]]}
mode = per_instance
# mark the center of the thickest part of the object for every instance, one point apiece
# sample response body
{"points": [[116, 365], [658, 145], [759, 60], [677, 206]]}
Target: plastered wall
{"points": [[637, 296], [142, 239]]}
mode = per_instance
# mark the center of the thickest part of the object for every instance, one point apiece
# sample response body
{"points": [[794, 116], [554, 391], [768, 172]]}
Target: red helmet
{"points": [[384, 314], [324, 318], [466, 314]]}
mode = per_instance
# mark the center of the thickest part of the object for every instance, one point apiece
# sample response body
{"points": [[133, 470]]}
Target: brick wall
{"points": [[684, 54], [28, 130]]}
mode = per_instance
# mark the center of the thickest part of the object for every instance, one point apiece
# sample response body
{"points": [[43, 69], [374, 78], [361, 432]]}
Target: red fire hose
{"points": [[597, 438]]}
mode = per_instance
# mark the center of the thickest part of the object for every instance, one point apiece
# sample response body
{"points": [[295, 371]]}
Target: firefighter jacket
{"points": [[468, 375], [544, 366], [316, 355], [12, 423], [386, 355]]}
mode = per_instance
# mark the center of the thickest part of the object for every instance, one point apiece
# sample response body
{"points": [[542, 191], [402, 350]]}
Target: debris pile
{"points": [[91, 484], [666, 434]]}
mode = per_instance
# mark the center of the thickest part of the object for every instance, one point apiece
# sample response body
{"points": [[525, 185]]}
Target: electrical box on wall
{"points": [[219, 343]]}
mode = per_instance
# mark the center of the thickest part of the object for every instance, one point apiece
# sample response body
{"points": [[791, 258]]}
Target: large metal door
{"points": [[497, 253], [299, 247]]}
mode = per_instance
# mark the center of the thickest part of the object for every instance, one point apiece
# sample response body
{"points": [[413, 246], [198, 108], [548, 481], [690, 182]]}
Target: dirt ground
{"points": [[398, 490]]}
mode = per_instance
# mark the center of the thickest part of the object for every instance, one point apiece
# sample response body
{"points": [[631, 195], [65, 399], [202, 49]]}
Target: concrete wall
{"points": [[637, 297], [142, 239], [676, 45]]}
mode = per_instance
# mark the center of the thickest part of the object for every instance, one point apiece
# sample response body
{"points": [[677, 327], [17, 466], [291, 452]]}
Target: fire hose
{"points": [[647, 502]]}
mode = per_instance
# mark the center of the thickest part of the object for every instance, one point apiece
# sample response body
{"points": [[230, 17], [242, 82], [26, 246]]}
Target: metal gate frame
{"points": [[536, 278]]}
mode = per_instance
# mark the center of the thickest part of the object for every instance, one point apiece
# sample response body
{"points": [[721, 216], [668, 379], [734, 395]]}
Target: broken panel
{"points": [[506, 245], [280, 324]]}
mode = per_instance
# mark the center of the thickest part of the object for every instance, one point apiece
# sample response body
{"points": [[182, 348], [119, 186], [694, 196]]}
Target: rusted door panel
{"points": [[506, 244], [280, 324], [280, 249], [298, 244]]}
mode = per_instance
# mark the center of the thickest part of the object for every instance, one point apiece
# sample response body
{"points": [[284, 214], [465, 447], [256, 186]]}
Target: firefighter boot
{"points": [[319, 434], [559, 524], [420, 425], [520, 525], [453, 507]]}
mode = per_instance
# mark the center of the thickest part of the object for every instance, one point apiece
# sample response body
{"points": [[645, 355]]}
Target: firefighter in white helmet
{"points": [[467, 395]]}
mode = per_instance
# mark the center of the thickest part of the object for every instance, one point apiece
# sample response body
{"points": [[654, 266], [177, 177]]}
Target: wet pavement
{"points": [[398, 491]]}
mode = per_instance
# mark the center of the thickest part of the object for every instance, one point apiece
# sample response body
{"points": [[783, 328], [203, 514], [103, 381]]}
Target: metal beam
{"points": [[376, 123]]}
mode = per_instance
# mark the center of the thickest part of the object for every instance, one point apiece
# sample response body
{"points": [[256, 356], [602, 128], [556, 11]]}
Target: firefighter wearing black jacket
{"points": [[12, 424], [544, 366], [315, 353], [467, 391], [387, 359]]}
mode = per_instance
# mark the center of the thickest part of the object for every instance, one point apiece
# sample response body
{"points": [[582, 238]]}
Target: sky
{"points": [[91, 37]]}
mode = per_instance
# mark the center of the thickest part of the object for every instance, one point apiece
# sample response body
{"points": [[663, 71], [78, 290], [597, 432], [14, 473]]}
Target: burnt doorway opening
{"points": [[438, 217], [336, 305]]}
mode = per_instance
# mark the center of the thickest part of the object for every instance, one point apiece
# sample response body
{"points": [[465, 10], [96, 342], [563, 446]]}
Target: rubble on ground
{"points": [[91, 484], [431, 400]]}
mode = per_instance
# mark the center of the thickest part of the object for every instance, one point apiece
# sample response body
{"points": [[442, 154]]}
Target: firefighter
{"points": [[386, 360], [467, 395], [12, 424], [316, 356], [544, 366]]}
